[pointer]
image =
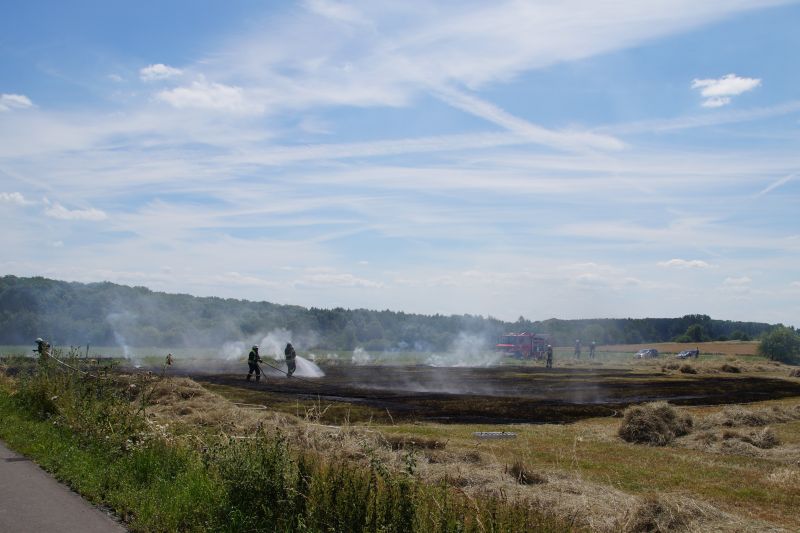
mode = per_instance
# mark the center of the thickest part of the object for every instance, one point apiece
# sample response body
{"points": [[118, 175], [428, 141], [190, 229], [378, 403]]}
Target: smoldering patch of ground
{"points": [[508, 394]]}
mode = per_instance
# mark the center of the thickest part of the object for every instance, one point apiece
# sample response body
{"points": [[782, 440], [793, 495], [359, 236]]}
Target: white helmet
{"points": [[255, 346]]}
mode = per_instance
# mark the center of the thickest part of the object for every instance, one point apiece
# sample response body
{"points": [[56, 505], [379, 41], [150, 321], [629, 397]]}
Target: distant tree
{"points": [[694, 333], [594, 332], [781, 344], [740, 335]]}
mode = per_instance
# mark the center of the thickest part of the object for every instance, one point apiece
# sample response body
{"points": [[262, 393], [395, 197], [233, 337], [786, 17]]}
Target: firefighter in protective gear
{"points": [[291, 356], [592, 347], [549, 356], [577, 348], [252, 361], [42, 348]]}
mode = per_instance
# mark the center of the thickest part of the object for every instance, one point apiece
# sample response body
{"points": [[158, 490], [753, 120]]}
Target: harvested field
{"points": [[735, 470], [706, 348]]}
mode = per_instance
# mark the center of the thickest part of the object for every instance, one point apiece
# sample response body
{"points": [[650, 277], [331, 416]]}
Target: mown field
{"points": [[736, 469]]}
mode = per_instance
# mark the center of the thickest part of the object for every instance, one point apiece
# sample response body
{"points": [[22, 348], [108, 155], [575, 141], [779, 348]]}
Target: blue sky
{"points": [[568, 159]]}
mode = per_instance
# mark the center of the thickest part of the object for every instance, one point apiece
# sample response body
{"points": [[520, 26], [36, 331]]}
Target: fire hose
{"points": [[287, 374]]}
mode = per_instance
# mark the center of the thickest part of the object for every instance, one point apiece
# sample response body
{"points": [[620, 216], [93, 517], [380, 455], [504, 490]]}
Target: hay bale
{"points": [[656, 514], [655, 423], [706, 438], [737, 416], [524, 476], [688, 369], [730, 368], [763, 439]]}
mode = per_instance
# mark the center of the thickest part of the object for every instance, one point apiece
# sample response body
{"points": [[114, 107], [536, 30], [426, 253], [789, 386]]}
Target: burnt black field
{"points": [[505, 394]]}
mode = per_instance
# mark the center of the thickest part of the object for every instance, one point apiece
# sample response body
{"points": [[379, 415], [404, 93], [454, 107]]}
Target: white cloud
{"points": [[743, 280], [14, 101], [740, 285], [158, 71], [795, 284], [774, 185], [235, 278], [322, 280], [213, 96], [684, 263], [335, 11], [56, 210], [718, 92], [14, 198], [716, 101], [315, 126]]}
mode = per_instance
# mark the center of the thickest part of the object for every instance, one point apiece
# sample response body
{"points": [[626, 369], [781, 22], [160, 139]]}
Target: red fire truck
{"points": [[523, 345]]}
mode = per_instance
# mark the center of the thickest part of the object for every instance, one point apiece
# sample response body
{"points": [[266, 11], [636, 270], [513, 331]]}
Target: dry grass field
{"points": [[734, 466], [737, 469]]}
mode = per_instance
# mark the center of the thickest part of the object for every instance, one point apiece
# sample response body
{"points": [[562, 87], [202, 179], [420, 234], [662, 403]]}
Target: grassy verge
{"points": [[89, 434]]}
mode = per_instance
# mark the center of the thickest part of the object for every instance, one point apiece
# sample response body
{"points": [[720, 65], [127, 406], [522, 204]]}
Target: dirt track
{"points": [[507, 394]]}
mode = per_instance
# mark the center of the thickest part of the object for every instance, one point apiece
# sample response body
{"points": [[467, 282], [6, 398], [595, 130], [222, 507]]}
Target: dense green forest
{"points": [[107, 314]]}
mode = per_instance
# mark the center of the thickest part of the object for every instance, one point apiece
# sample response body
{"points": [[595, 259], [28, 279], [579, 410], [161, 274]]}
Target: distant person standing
{"points": [[42, 348], [577, 348], [252, 361], [291, 357], [549, 356], [592, 347]]}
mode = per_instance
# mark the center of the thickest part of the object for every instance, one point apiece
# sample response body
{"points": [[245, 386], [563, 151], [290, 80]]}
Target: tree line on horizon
{"points": [[108, 314]]}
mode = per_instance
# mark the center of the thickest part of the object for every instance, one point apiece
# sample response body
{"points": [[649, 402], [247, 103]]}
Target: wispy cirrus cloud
{"points": [[440, 162], [719, 92], [774, 185], [339, 11], [525, 129], [678, 124]]}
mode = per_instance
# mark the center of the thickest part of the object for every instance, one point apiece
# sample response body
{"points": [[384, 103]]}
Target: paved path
{"points": [[31, 500]]}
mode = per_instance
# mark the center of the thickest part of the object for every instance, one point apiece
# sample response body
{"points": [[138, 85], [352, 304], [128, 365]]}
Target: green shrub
{"points": [[781, 344]]}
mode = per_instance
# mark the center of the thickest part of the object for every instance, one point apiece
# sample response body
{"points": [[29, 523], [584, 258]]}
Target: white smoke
{"points": [[117, 320], [361, 356], [273, 344], [469, 350], [233, 350]]}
